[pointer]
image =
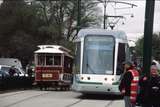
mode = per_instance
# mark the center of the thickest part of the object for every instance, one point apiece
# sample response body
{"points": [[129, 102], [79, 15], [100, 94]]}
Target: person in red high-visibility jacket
{"points": [[129, 84]]}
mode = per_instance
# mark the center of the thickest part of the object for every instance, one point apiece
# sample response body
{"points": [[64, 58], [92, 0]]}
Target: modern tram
{"points": [[53, 67], [98, 62]]}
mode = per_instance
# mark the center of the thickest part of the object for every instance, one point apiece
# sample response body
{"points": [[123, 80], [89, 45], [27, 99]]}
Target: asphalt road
{"points": [[37, 98]]}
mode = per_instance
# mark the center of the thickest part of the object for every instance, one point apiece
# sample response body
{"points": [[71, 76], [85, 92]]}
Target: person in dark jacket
{"points": [[150, 88], [143, 92], [129, 84]]}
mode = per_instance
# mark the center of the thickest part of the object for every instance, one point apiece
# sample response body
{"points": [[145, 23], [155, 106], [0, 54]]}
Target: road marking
{"points": [[109, 104], [70, 105], [25, 99], [3, 96]]}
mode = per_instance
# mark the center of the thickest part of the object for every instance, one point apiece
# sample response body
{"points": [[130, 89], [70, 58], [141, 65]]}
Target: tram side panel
{"points": [[48, 73], [67, 71], [48, 76], [55, 76]]}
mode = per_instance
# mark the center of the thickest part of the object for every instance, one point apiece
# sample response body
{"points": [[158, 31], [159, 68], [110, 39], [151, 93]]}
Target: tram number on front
{"points": [[47, 75]]}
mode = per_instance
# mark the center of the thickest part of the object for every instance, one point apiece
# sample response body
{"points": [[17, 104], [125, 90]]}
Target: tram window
{"points": [[98, 55], [57, 60], [121, 58], [41, 59], [76, 65], [128, 53], [49, 60], [66, 62]]}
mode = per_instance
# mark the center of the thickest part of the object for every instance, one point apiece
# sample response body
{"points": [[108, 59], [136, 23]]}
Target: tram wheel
{"points": [[41, 88], [65, 88], [61, 88], [68, 88], [56, 89]]}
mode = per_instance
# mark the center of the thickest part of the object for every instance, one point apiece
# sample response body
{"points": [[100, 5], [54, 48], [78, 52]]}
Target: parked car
{"points": [[3, 76], [11, 62], [18, 71], [5, 68]]}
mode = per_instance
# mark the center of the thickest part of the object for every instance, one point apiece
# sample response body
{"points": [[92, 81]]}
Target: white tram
{"points": [[99, 57]]}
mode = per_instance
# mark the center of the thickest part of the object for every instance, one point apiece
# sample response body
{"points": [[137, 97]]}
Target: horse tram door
{"points": [[53, 67]]}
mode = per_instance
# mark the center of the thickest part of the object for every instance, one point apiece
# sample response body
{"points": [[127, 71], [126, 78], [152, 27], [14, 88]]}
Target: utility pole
{"points": [[104, 20], [79, 15], [148, 33]]}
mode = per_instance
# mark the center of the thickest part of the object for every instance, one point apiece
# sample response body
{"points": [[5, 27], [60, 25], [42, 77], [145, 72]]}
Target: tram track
{"points": [[80, 100], [35, 96], [9, 95], [109, 104], [71, 105], [76, 102], [25, 99]]}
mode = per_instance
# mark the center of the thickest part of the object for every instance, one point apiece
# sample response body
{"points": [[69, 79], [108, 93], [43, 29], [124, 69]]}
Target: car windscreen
{"points": [[5, 69], [4, 73]]}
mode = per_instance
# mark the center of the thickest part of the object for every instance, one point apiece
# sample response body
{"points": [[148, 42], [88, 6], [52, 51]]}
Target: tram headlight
{"points": [[112, 79], [82, 78]]}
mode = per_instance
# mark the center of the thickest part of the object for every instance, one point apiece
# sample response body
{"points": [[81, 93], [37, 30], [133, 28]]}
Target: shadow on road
{"points": [[100, 97]]}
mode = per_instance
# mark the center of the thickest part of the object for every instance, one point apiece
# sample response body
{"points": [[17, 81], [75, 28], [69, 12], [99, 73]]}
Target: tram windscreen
{"points": [[98, 55]]}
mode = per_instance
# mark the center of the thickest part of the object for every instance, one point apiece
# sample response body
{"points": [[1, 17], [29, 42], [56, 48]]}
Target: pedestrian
{"points": [[30, 69], [129, 84], [143, 92], [150, 88]]}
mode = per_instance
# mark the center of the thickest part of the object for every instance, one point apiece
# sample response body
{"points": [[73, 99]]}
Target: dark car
{"points": [[3, 74], [3, 77]]}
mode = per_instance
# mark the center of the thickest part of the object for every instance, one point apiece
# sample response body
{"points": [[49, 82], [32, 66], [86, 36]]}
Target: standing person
{"points": [[129, 84], [150, 88], [143, 92], [30, 69]]}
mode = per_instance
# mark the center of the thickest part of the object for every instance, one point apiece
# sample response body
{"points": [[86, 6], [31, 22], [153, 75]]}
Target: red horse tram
{"points": [[53, 67]]}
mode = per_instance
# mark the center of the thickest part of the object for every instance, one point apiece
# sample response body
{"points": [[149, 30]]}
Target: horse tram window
{"points": [[53, 67]]}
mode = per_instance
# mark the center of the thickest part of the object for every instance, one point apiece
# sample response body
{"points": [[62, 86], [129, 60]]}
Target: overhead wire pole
{"points": [[79, 15], [148, 33], [104, 20], [105, 2]]}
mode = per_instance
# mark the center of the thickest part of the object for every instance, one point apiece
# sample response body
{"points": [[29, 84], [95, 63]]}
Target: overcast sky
{"points": [[134, 27]]}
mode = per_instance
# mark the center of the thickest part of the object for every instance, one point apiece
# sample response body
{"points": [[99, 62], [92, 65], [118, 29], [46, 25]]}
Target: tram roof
{"points": [[116, 33], [52, 49]]}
